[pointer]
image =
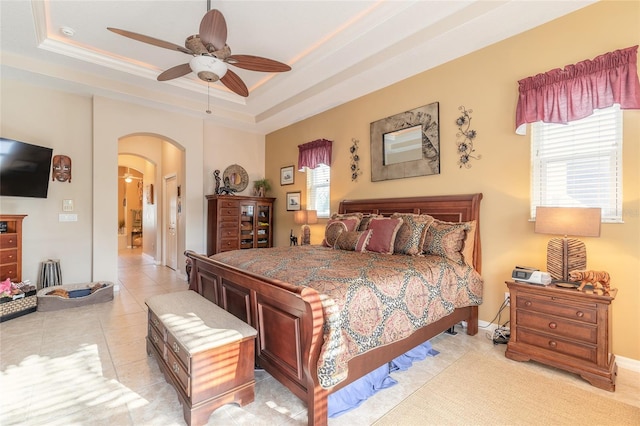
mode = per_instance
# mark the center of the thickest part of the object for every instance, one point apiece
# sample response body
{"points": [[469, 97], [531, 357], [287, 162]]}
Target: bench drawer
{"points": [[178, 351], [178, 371]]}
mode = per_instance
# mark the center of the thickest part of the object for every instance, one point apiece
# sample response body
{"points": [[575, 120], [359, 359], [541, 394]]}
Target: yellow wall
{"points": [[486, 82]]}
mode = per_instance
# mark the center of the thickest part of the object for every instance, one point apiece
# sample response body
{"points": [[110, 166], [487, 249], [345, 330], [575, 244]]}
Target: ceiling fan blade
{"points": [[213, 30], [150, 40], [235, 83], [257, 63], [175, 72]]}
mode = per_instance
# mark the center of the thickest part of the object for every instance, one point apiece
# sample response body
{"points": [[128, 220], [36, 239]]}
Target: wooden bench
{"points": [[206, 353]]}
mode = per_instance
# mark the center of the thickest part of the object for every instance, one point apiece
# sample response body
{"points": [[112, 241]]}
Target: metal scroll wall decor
{"points": [[465, 138], [406, 144], [355, 159]]}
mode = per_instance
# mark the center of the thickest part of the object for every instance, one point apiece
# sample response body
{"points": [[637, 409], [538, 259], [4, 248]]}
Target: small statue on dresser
{"points": [[592, 277], [216, 176], [226, 189]]}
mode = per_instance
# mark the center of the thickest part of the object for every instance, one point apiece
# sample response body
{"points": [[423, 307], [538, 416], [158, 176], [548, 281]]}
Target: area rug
{"points": [[480, 390]]}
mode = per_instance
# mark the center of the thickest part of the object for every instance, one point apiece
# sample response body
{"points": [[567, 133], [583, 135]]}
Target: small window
{"points": [[318, 184], [579, 164]]}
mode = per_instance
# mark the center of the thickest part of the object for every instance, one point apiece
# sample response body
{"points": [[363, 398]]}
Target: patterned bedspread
{"points": [[369, 299]]}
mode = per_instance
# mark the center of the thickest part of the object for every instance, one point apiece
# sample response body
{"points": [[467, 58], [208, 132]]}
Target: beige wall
{"points": [[34, 115], [486, 82], [89, 131]]}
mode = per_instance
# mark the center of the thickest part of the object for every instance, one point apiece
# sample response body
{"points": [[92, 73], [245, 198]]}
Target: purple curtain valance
{"points": [[312, 154], [572, 93]]}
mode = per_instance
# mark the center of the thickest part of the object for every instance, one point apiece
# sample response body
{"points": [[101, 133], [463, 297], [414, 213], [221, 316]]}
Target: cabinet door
{"points": [[263, 225], [247, 225]]}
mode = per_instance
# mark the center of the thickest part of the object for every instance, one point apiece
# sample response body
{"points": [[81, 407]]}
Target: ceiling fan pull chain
{"points": [[208, 99]]}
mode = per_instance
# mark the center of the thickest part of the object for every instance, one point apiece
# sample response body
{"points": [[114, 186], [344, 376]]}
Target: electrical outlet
{"points": [[506, 297]]}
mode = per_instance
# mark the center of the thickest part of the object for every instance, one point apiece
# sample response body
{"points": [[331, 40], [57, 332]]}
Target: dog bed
{"points": [[73, 295]]}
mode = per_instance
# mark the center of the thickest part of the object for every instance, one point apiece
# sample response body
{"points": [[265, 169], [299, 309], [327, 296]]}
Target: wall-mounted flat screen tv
{"points": [[24, 169]]}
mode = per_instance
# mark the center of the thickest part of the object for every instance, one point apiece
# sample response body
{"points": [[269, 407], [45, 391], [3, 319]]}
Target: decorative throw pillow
{"points": [[335, 227], [411, 235], [446, 239], [353, 240], [384, 233], [348, 216], [366, 218], [469, 242]]}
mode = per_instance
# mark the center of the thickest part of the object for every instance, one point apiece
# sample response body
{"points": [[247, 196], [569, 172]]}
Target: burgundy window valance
{"points": [[572, 93], [312, 154]]}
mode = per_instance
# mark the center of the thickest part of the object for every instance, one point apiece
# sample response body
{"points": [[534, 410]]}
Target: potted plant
{"points": [[261, 186]]}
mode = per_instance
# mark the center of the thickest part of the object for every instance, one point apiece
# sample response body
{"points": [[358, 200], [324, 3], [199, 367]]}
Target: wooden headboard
{"points": [[449, 208]]}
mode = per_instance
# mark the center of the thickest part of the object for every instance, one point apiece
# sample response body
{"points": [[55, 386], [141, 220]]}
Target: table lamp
{"points": [[305, 218], [567, 254]]}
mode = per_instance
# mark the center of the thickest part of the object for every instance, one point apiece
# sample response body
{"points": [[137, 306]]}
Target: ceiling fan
{"points": [[128, 177], [211, 55]]}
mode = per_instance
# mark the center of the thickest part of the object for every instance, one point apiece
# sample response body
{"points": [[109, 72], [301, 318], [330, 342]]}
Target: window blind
{"points": [[318, 185], [579, 164]]}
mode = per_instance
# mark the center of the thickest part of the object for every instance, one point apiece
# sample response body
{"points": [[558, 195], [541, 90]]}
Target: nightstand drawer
{"points": [[557, 326], [555, 344], [558, 306]]}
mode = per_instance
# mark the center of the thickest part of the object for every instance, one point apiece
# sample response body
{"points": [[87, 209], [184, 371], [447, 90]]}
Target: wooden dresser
{"points": [[238, 222], [564, 328], [11, 247]]}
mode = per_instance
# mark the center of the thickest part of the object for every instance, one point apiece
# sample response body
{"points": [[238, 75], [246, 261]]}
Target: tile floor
{"points": [[88, 366]]}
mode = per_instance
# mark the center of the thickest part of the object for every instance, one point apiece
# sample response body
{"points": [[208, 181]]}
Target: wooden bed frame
{"points": [[289, 319]]}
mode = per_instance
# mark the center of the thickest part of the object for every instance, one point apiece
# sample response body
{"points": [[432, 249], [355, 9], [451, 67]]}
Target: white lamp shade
{"points": [[208, 68]]}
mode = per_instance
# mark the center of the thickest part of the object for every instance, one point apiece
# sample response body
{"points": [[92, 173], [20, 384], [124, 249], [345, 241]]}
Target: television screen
{"points": [[24, 169]]}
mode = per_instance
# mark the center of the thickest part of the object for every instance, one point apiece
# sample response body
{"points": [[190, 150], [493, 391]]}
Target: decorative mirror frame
{"points": [[428, 118]]}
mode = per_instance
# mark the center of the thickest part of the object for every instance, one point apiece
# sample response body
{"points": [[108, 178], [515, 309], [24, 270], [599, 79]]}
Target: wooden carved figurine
{"points": [[592, 277]]}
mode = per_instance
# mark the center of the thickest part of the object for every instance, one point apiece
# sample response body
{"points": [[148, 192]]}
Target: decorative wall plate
{"points": [[236, 176]]}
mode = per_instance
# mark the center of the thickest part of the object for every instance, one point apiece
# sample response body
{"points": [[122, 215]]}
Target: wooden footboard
{"points": [[289, 322], [289, 319]]}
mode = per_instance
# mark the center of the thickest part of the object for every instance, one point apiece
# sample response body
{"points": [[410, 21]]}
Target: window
{"points": [[579, 164], [318, 183]]}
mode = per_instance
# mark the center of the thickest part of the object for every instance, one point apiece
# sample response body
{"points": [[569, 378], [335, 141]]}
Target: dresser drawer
{"points": [[559, 345], [178, 351], [178, 371], [228, 204], [9, 271], [9, 256], [558, 306], [8, 240], [228, 233], [557, 326], [228, 213], [229, 244]]}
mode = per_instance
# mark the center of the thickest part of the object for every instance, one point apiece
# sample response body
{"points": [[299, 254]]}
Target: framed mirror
{"points": [[406, 144]]}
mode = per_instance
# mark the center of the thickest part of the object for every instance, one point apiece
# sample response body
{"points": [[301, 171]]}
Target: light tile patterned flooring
{"points": [[89, 366]]}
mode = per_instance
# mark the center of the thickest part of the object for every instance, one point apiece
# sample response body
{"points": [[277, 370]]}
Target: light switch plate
{"points": [[67, 205], [67, 217]]}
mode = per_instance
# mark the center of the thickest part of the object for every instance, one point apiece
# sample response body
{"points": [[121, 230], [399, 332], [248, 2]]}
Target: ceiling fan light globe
{"points": [[208, 68]]}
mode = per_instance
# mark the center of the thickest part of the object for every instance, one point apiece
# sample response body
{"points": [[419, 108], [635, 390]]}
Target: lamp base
{"points": [[565, 255], [305, 235]]}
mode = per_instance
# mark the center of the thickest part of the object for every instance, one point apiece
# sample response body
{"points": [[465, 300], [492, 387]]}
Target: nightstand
{"points": [[563, 328]]}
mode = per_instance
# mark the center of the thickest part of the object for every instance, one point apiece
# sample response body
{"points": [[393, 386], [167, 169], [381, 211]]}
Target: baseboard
{"points": [[628, 363]]}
